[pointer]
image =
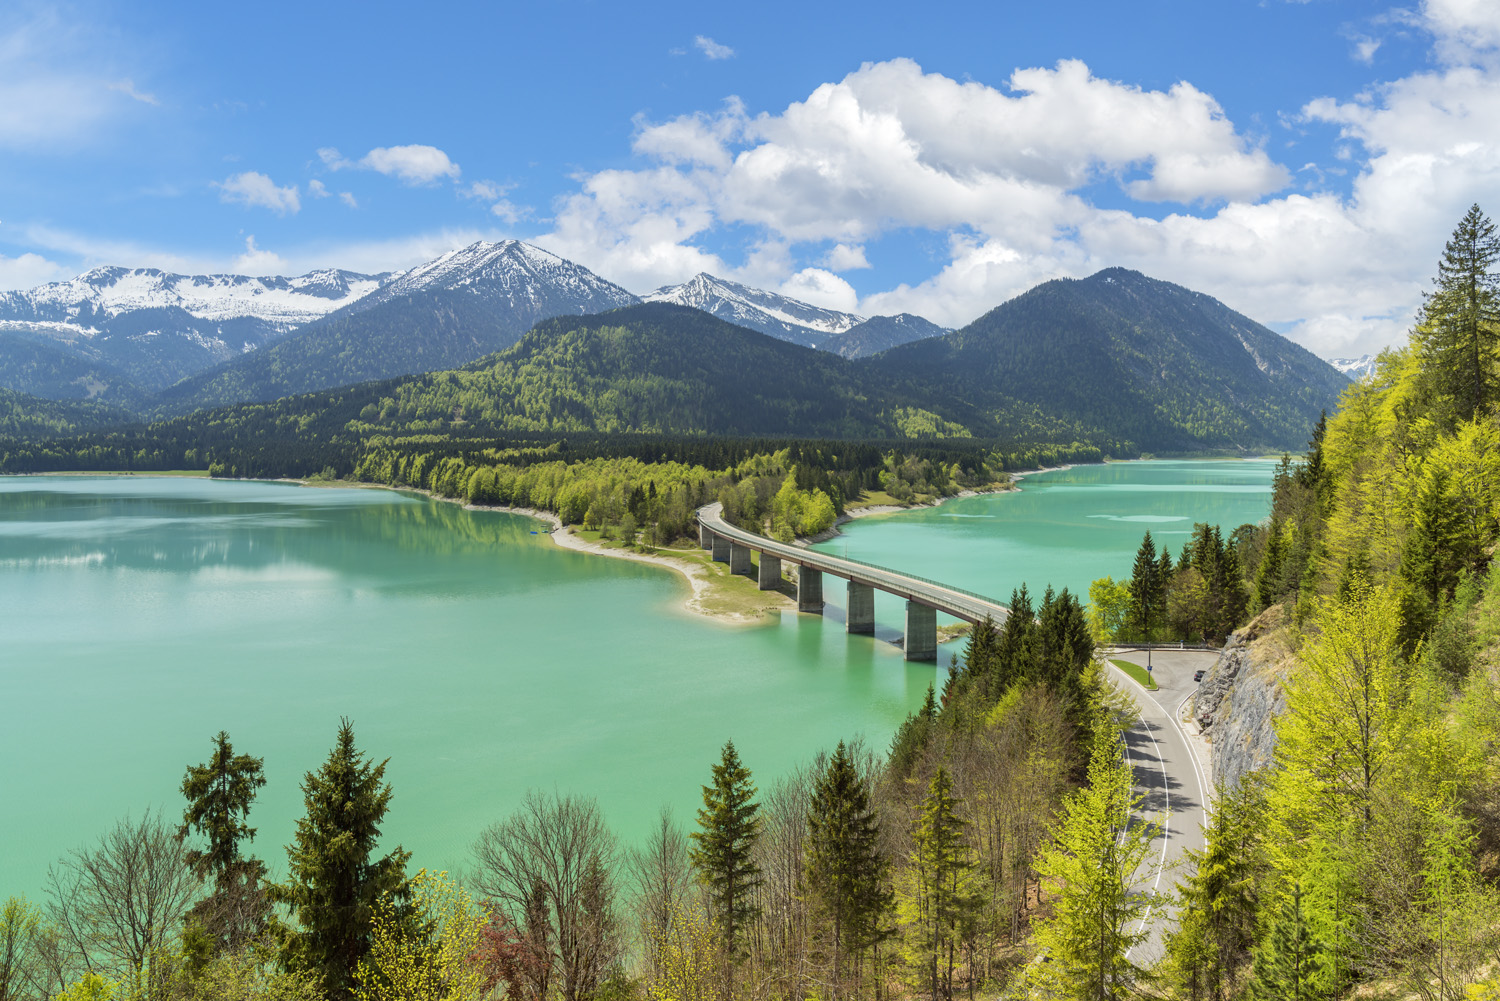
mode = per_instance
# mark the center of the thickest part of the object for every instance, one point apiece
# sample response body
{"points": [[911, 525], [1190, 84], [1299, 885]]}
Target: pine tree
{"points": [[1094, 863], [938, 893], [722, 851], [1015, 650], [219, 795], [333, 885], [1288, 966], [1146, 589], [845, 871], [1459, 333]]}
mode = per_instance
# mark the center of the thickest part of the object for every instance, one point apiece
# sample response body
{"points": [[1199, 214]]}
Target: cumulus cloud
{"points": [[255, 261], [845, 258], [1005, 174], [711, 48], [414, 165], [255, 189], [318, 189], [28, 271]]}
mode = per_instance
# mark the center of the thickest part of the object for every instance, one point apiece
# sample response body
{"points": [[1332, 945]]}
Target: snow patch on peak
{"points": [[777, 315], [1355, 368]]}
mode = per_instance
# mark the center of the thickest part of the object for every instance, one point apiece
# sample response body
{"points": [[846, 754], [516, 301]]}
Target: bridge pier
{"points": [[705, 537], [770, 572], [921, 632], [861, 617], [720, 549], [809, 590], [739, 559]]}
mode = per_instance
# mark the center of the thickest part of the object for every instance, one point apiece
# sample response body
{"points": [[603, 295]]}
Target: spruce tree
{"points": [[1288, 966], [1459, 334], [939, 898], [219, 795], [722, 850], [333, 884], [845, 871], [1145, 588]]}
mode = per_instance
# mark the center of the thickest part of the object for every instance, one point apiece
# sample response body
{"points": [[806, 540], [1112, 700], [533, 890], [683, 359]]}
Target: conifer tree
{"points": [[939, 898], [1093, 864], [722, 851], [1459, 334], [334, 885], [219, 795], [845, 871], [1015, 649], [1288, 966], [1146, 592]]}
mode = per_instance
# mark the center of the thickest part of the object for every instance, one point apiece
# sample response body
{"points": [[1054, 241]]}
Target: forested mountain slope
{"points": [[24, 416], [1161, 365], [51, 370]]}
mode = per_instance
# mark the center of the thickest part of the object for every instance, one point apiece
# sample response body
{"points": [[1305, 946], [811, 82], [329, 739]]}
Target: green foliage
{"points": [[1094, 863], [1108, 609], [1146, 361], [1289, 966], [722, 849], [845, 871], [334, 886], [1458, 336], [219, 795], [938, 894]]}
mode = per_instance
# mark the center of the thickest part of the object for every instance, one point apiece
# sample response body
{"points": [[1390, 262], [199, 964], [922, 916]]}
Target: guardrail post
{"points": [[770, 572], [809, 590], [861, 617], [720, 549], [921, 632], [739, 559]]}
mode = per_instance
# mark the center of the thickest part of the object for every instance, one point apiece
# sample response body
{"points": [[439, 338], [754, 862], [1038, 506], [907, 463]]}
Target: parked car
{"points": [[1198, 675]]}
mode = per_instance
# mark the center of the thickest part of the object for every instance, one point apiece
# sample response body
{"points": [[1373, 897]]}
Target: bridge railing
{"points": [[876, 566]]}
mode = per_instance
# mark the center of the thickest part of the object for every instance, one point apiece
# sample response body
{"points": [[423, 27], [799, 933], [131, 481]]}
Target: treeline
{"points": [[1365, 861], [856, 876]]}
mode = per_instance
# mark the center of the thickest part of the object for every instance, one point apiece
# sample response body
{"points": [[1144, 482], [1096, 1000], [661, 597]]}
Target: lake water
{"points": [[140, 616]]}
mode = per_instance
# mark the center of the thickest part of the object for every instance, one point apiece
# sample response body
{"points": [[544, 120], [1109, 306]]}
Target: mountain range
{"points": [[1117, 357]]}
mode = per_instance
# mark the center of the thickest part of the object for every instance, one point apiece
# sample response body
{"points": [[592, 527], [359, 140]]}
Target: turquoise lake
{"points": [[140, 616]]}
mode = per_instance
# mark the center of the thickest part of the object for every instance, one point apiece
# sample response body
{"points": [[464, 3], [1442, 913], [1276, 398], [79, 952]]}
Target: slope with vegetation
{"points": [[1154, 363]]}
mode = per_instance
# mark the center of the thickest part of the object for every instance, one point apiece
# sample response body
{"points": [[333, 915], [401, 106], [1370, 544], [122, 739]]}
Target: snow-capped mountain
{"points": [[777, 315], [439, 315], [508, 273], [879, 333], [103, 293], [1355, 368], [156, 327]]}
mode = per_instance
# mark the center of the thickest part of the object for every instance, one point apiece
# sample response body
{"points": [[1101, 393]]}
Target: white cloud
{"points": [[55, 81], [845, 258], [711, 48], [348, 199], [821, 288], [28, 271], [317, 189], [255, 189], [127, 87], [1466, 30], [1004, 175], [412, 165], [255, 261], [500, 206]]}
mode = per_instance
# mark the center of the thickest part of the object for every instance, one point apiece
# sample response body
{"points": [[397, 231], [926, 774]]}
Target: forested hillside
{"points": [[31, 417], [41, 368], [1154, 363]]}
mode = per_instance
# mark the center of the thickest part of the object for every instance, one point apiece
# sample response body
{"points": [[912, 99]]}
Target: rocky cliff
{"points": [[1240, 697]]}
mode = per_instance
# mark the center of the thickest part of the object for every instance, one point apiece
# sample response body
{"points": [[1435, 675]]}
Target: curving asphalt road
{"points": [[953, 601], [1171, 777], [1170, 773]]}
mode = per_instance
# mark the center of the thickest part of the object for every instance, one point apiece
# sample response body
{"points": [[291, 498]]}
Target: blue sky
{"points": [[1301, 161]]}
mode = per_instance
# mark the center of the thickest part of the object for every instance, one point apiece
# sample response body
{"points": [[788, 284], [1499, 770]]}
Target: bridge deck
{"points": [[952, 601]]}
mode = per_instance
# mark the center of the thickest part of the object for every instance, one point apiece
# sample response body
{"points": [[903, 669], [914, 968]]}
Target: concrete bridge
{"points": [[924, 598]]}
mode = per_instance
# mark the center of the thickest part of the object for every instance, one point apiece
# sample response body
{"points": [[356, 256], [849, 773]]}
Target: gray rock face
{"points": [[1240, 697]]}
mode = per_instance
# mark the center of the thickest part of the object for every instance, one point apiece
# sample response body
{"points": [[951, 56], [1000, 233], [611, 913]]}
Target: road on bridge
{"points": [[952, 601]]}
